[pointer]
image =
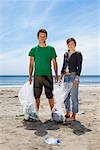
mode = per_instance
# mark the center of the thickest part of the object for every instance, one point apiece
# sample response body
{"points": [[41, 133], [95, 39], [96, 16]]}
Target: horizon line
{"points": [[52, 75]]}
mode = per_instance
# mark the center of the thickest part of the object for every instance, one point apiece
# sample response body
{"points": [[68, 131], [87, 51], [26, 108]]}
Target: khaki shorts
{"points": [[39, 82]]}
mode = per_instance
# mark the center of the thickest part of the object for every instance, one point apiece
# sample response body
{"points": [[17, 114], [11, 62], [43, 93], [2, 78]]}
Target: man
{"points": [[40, 60]]}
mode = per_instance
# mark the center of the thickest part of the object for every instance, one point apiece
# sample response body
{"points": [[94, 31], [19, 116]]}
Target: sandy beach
{"points": [[17, 134]]}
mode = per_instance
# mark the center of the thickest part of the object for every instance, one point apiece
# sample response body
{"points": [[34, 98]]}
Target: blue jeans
{"points": [[73, 93]]}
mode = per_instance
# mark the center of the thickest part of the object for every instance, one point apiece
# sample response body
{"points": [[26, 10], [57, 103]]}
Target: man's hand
{"points": [[56, 78], [60, 82], [30, 80]]}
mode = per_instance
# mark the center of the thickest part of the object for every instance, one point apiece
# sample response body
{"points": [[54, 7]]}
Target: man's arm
{"points": [[55, 68], [31, 69]]}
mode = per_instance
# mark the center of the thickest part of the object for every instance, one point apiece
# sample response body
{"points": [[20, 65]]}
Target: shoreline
{"points": [[19, 86]]}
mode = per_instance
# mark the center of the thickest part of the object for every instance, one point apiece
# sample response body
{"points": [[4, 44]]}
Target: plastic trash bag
{"points": [[27, 100], [26, 94], [60, 93], [30, 113], [57, 115]]}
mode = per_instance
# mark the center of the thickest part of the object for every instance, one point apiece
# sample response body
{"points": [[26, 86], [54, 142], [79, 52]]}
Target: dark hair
{"points": [[71, 39], [43, 31]]}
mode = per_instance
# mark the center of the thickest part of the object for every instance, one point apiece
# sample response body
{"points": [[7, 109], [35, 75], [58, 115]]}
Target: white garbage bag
{"points": [[26, 94], [27, 100], [60, 93]]}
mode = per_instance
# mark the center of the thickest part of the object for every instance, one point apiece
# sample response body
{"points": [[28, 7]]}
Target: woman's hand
{"points": [[75, 83]]}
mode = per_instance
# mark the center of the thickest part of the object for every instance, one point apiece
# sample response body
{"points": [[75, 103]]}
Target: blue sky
{"points": [[21, 19]]}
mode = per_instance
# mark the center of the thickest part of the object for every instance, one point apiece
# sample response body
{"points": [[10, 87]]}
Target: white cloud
{"points": [[15, 62]]}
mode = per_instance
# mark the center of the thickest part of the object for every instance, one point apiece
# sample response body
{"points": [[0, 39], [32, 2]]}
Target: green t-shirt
{"points": [[42, 57]]}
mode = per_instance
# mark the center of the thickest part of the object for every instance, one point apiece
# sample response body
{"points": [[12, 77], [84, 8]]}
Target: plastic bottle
{"points": [[51, 140]]}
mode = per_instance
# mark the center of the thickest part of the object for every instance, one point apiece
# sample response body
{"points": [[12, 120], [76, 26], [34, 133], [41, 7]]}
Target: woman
{"points": [[71, 70]]}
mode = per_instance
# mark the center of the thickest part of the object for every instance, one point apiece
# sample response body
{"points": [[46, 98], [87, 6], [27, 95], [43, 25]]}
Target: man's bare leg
{"points": [[51, 103], [37, 104]]}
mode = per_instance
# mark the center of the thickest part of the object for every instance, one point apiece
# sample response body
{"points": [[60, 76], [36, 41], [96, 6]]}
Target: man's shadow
{"points": [[40, 127], [77, 127]]}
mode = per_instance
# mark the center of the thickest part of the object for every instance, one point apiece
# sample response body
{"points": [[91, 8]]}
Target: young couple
{"points": [[41, 57]]}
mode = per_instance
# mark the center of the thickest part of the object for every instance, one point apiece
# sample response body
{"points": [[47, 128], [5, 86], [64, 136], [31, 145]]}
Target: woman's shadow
{"points": [[77, 127]]}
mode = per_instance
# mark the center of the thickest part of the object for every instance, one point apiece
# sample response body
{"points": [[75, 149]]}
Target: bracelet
{"points": [[77, 78]]}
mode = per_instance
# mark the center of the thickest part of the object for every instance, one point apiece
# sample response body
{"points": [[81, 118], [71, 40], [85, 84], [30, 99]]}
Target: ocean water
{"points": [[20, 80]]}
